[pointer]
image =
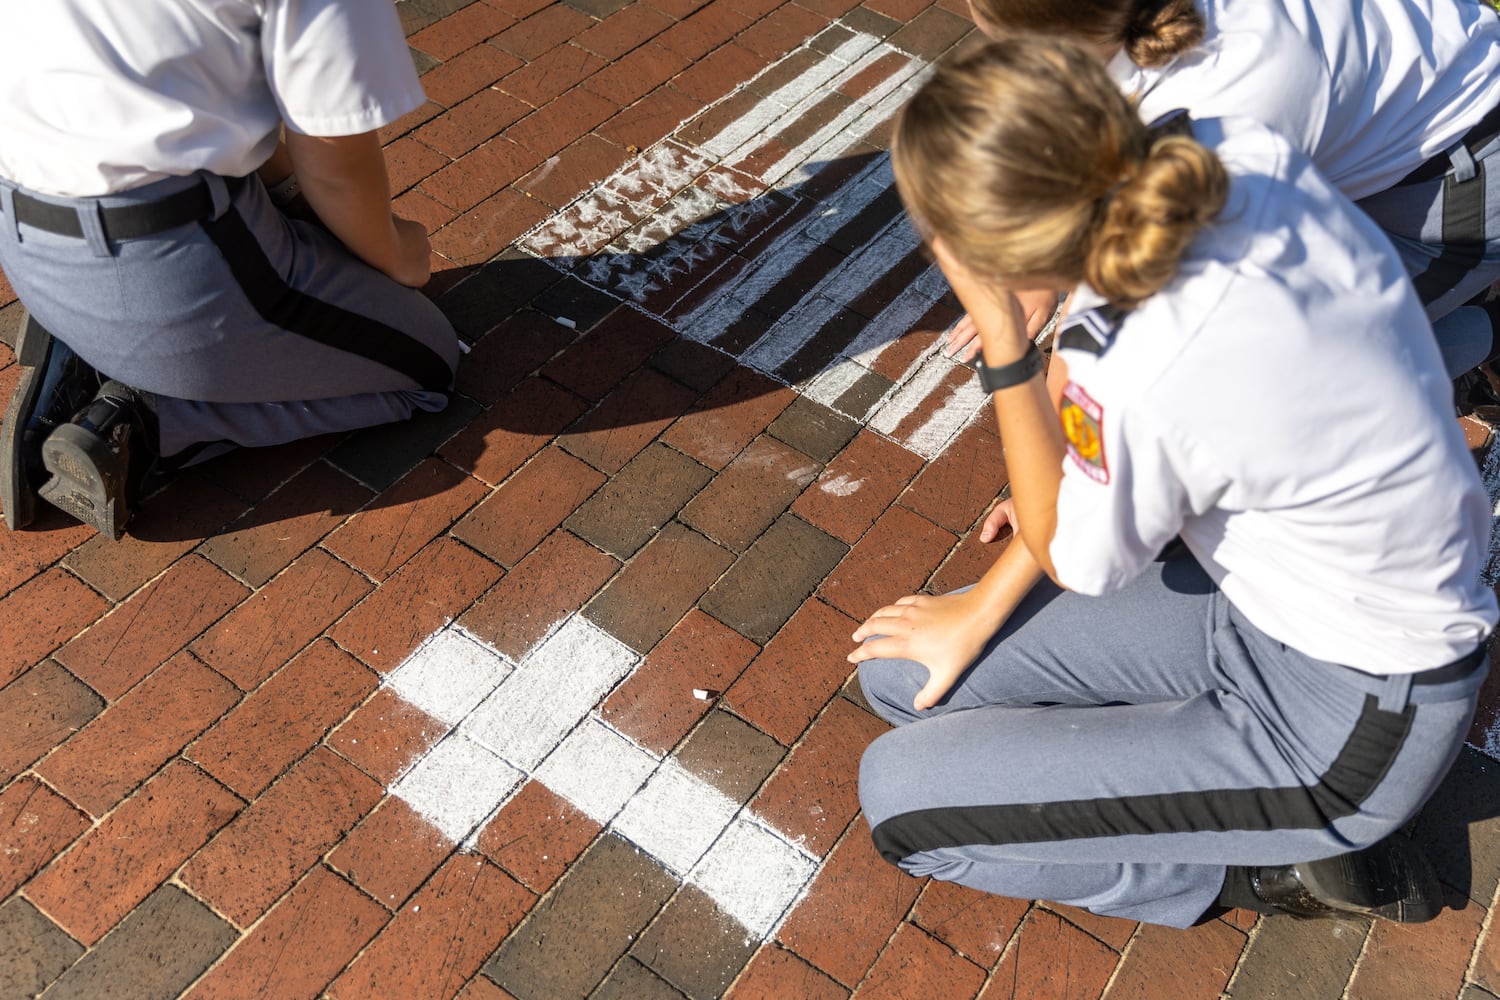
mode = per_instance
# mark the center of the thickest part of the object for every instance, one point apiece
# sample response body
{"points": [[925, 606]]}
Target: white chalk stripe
{"points": [[850, 125], [457, 785], [549, 692], [449, 675], [596, 769], [954, 414], [1491, 477], [773, 106], [676, 817], [755, 876]]}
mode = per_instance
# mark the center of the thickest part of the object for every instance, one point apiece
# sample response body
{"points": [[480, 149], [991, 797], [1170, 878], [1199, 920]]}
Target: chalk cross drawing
{"points": [[536, 719]]}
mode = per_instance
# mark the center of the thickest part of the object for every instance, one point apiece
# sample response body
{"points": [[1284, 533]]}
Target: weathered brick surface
{"points": [[1050, 958], [972, 923], [1198, 960], [38, 711], [301, 945], [122, 860], [391, 853], [694, 945], [35, 824], [850, 909], [915, 963], [283, 718], [815, 793], [158, 950], [136, 735], [37, 952], [260, 544], [527, 507], [536, 836], [658, 586], [39, 616], [797, 672], [770, 581], [154, 624], [639, 500], [425, 503], [273, 624], [539, 593], [279, 837], [775, 973], [656, 706], [390, 623], [602, 904]]}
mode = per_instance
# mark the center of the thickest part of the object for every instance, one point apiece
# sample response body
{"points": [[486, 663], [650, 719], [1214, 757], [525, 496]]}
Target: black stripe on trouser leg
{"points": [[1366, 756], [1463, 237], [297, 312]]}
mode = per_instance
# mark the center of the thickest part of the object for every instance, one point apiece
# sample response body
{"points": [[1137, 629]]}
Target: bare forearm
{"points": [[1034, 452], [344, 181]]}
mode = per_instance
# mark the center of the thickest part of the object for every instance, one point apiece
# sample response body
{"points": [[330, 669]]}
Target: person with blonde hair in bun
{"points": [[1397, 102], [1154, 730]]}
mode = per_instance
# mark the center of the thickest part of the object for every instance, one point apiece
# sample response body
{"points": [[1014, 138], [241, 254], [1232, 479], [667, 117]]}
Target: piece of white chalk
{"points": [[702, 695], [564, 321]]}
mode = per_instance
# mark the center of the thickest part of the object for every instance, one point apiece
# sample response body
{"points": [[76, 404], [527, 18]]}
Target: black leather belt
{"points": [[123, 222], [1474, 140], [1455, 671]]}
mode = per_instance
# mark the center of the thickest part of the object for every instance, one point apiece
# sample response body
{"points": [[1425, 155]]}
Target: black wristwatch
{"points": [[1005, 376]]}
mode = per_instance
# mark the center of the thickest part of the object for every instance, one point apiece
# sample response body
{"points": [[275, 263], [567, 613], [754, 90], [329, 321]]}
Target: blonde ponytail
{"points": [[1151, 218], [1032, 168]]}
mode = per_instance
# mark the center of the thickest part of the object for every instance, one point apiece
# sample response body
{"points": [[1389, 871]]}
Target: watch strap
{"points": [[1021, 370]]}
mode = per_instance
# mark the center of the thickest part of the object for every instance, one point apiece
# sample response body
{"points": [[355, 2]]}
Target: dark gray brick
{"points": [[658, 587], [870, 23], [695, 946], [773, 578], [639, 500], [630, 980], [574, 300], [1298, 959], [33, 950], [695, 365], [597, 909], [732, 755], [860, 398], [156, 951], [814, 429]]}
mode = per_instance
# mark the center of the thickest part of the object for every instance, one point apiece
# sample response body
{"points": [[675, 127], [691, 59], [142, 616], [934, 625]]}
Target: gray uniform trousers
{"points": [[248, 327], [1117, 753], [1447, 232]]}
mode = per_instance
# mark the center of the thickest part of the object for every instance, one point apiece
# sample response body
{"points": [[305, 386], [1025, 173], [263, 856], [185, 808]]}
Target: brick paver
{"points": [[545, 695]]}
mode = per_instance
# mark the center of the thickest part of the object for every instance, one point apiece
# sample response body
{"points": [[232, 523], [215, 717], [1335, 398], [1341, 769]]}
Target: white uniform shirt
{"points": [[1282, 406], [98, 96], [1370, 90]]}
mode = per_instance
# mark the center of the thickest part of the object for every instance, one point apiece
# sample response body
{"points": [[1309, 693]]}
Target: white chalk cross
{"points": [[538, 719]]}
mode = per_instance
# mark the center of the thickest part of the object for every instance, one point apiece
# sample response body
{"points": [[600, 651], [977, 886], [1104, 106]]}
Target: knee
{"points": [[884, 789], [890, 686]]}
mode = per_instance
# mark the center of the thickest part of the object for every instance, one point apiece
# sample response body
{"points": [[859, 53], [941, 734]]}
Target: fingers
{"points": [[963, 340]]}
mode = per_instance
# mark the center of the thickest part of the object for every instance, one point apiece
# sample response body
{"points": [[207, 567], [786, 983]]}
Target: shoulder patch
{"points": [[1083, 425]]}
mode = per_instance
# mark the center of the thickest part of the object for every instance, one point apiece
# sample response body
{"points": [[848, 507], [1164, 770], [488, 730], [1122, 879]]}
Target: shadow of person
{"points": [[1459, 829], [716, 295]]}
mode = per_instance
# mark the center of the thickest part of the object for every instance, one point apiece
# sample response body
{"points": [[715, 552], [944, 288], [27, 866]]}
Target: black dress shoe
{"points": [[1391, 879], [97, 460], [54, 383]]}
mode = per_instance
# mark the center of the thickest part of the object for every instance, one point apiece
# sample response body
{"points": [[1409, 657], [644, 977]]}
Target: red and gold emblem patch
{"points": [[1082, 421]]}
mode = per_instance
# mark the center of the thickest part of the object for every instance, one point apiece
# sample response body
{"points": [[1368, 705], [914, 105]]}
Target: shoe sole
{"points": [[16, 496], [1392, 880], [86, 481]]}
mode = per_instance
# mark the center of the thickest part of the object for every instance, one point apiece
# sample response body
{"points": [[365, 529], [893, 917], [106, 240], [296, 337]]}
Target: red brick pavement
{"points": [[700, 433]]}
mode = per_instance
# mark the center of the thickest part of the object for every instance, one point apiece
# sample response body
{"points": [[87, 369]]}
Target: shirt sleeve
{"points": [[1123, 495], [338, 67]]}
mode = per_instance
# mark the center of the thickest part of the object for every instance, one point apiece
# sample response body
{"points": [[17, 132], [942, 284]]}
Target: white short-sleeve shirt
{"points": [[98, 96], [1370, 89], [1282, 406]]}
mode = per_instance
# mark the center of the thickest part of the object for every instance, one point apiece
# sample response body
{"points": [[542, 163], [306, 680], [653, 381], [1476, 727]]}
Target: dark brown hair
{"points": [[1152, 32]]}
